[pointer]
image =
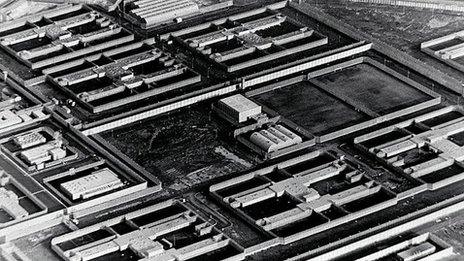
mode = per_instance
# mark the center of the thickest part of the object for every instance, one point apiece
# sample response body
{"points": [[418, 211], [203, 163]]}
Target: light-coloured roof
{"points": [[239, 103]]}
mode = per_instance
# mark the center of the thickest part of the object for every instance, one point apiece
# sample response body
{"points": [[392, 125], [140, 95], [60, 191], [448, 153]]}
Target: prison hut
{"points": [[29, 140], [417, 252], [275, 138], [43, 153], [152, 12], [98, 182]]}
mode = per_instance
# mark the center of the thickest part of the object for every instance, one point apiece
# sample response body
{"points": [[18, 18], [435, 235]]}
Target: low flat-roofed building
{"points": [[42, 153], [417, 252], [96, 183], [57, 153], [239, 107], [9, 202], [29, 140]]}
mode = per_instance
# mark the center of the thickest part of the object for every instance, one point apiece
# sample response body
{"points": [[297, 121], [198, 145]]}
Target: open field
{"points": [[401, 27], [374, 88], [311, 108], [184, 145]]}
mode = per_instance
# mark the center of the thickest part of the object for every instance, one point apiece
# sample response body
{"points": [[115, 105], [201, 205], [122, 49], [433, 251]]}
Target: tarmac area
{"points": [[38, 244]]}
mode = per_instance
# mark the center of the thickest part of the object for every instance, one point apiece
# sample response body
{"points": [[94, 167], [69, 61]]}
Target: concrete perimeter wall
{"points": [[430, 4], [305, 66], [160, 110]]}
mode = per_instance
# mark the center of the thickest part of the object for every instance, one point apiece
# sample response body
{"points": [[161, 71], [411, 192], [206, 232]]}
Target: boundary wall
{"points": [[159, 110], [429, 4]]}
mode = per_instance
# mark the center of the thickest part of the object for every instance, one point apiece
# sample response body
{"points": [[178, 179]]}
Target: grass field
{"points": [[311, 108], [374, 88]]}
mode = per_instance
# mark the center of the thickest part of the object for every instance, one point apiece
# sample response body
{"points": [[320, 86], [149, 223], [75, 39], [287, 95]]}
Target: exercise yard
{"points": [[374, 88], [311, 108]]}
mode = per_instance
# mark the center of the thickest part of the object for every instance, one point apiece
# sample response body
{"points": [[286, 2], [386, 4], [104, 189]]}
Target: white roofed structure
{"points": [[239, 107], [96, 183]]}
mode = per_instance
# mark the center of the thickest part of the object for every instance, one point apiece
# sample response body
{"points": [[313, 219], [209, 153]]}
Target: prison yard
{"points": [[232, 130]]}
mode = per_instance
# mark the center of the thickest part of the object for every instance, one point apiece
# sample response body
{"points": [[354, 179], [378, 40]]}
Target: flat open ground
{"points": [[183, 147], [404, 28], [311, 108], [449, 229], [374, 88], [38, 244]]}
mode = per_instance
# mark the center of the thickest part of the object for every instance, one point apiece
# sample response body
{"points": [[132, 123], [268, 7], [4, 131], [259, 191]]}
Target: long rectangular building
{"points": [[158, 11], [98, 182]]}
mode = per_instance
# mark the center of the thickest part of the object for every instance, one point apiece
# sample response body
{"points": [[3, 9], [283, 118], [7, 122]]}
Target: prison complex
{"points": [[222, 130]]}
